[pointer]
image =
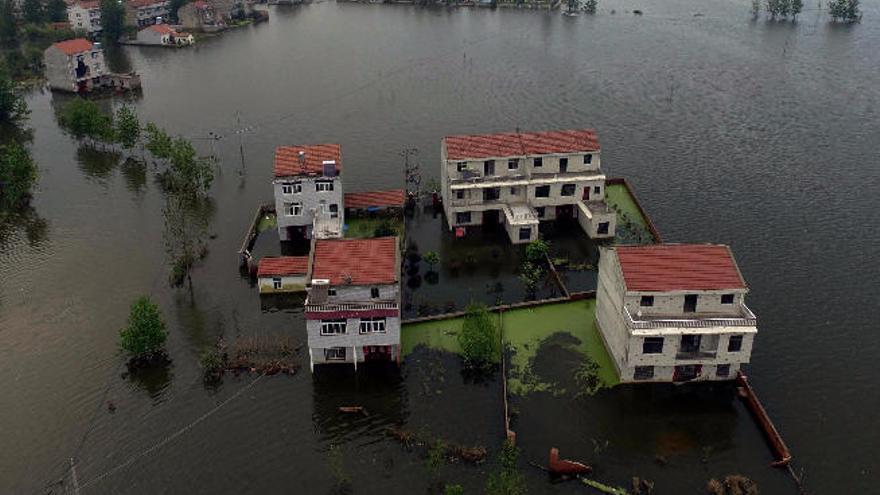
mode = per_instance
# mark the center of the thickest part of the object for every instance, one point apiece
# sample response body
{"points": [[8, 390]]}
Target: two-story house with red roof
{"points": [[674, 312], [74, 65], [353, 305], [308, 191], [519, 179]]}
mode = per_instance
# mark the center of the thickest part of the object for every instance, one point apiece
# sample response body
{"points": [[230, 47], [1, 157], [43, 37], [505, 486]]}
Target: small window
{"points": [[334, 211], [374, 293], [372, 325], [333, 327], [722, 370], [512, 164], [492, 194], [297, 187], [602, 228], [644, 373], [525, 233], [726, 298], [540, 211], [542, 192], [588, 159], [293, 209], [461, 166], [489, 167], [537, 162], [597, 189], [334, 354], [276, 283], [735, 343], [331, 291], [514, 191], [647, 301], [324, 186], [652, 345], [463, 217], [563, 164], [568, 189], [459, 194], [287, 189]]}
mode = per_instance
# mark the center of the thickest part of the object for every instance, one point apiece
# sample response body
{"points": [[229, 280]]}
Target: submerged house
{"points": [[78, 66], [282, 274], [674, 312], [163, 35], [308, 191], [519, 179], [353, 305]]}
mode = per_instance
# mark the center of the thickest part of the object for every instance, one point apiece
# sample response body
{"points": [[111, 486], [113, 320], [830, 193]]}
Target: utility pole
{"points": [[73, 476]]}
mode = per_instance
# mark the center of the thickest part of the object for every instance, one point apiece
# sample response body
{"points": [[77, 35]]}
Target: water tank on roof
{"points": [[329, 168]]}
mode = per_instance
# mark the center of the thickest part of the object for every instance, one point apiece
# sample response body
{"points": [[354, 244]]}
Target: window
{"points": [[514, 191], [563, 164], [459, 194], [334, 211], [568, 189], [463, 217], [647, 301], [722, 370], [372, 325], [512, 164], [525, 233], [690, 303], [652, 345], [323, 186], [286, 189], [537, 162], [540, 211], [461, 166], [643, 373], [735, 343], [726, 298], [597, 189], [374, 293], [334, 354], [491, 193], [542, 192], [333, 327], [489, 167], [276, 283], [588, 159], [603, 228], [331, 291], [293, 209]]}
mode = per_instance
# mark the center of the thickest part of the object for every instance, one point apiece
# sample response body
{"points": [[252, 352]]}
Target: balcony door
{"points": [[690, 343], [690, 303]]}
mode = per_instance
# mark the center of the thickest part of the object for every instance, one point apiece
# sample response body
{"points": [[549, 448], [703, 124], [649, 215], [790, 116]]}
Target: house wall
{"points": [[85, 19], [672, 303], [609, 308], [310, 199], [361, 293], [292, 283], [59, 74], [150, 37], [590, 221], [146, 15]]}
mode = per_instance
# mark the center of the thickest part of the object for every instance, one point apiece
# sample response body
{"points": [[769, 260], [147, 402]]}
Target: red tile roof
{"points": [[287, 161], [671, 267], [283, 265], [200, 4], [89, 4], [356, 261], [161, 29], [380, 199], [520, 143], [144, 3], [72, 47]]}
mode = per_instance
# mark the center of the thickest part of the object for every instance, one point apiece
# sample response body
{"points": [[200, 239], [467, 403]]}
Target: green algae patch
{"points": [[632, 226], [268, 221], [439, 334], [365, 227], [556, 348]]}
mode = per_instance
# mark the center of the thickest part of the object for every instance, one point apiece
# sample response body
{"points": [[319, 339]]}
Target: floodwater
{"points": [[754, 133]]}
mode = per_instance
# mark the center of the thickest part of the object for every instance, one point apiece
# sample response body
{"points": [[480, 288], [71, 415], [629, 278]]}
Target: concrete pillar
{"points": [[311, 361], [354, 356]]}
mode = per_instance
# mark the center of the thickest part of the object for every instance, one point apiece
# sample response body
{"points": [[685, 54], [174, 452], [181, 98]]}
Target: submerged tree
{"points": [[13, 108], [84, 120], [796, 6], [112, 20], [844, 10], [590, 6], [186, 234], [144, 337], [18, 174], [127, 128], [507, 480], [478, 339], [756, 8]]}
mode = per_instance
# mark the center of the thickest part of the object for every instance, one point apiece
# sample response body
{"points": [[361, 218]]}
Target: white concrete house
{"points": [[74, 65], [353, 305], [282, 274], [163, 35], [523, 178], [85, 15], [674, 312], [308, 191], [141, 13]]}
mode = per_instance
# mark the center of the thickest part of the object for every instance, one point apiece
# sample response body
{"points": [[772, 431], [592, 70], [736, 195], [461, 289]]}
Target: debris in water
{"points": [[111, 407], [642, 486], [453, 452], [733, 484], [354, 410], [637, 12], [559, 466]]}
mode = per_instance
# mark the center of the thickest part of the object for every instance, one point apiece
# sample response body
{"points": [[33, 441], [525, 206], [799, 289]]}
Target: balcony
{"points": [[694, 320], [354, 306]]}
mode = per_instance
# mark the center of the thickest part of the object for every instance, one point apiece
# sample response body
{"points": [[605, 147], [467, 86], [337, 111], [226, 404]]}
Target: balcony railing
{"points": [[747, 319], [333, 308], [696, 354]]}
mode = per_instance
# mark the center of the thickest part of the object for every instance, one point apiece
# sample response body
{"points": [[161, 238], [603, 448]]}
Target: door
{"points": [[489, 168], [690, 303], [587, 193]]}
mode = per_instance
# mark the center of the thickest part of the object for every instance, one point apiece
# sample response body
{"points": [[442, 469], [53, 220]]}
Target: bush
{"points": [[385, 229], [507, 480], [537, 251], [144, 337], [480, 346], [18, 174], [431, 258]]}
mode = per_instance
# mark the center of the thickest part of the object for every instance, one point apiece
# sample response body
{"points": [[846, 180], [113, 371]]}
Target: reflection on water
{"points": [[97, 163], [27, 221], [153, 380], [135, 173]]}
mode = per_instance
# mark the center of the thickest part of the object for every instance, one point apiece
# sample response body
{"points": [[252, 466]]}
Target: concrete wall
{"points": [[361, 293], [309, 198], [86, 19], [590, 221], [151, 37], [673, 303], [293, 283], [61, 68], [146, 15]]}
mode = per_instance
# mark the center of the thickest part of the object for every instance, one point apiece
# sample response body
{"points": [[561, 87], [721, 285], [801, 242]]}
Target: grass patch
{"points": [[632, 225], [365, 227], [441, 334], [527, 330], [267, 222]]}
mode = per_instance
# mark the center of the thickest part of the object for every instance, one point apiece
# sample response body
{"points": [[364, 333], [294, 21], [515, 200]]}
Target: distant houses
{"points": [[140, 13], [78, 66], [674, 312], [163, 35], [200, 16], [85, 15], [308, 191], [282, 274], [353, 305], [519, 179]]}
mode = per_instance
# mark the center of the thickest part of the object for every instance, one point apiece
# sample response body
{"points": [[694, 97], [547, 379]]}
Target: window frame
{"points": [[276, 283], [539, 188], [458, 217], [538, 162], [324, 186], [540, 211], [513, 164], [728, 299], [461, 166], [294, 209], [725, 367], [588, 159], [374, 293], [333, 354], [652, 346], [739, 343], [371, 325], [568, 190], [643, 373], [459, 194], [646, 302], [330, 328]]}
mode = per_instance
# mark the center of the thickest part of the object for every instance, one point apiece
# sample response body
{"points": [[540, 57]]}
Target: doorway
{"points": [[690, 303]]}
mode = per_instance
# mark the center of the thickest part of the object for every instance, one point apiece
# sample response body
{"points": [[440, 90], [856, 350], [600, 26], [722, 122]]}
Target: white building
{"points": [[308, 191], [162, 34], [523, 178], [85, 15], [674, 312], [141, 13], [282, 274], [353, 305]]}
